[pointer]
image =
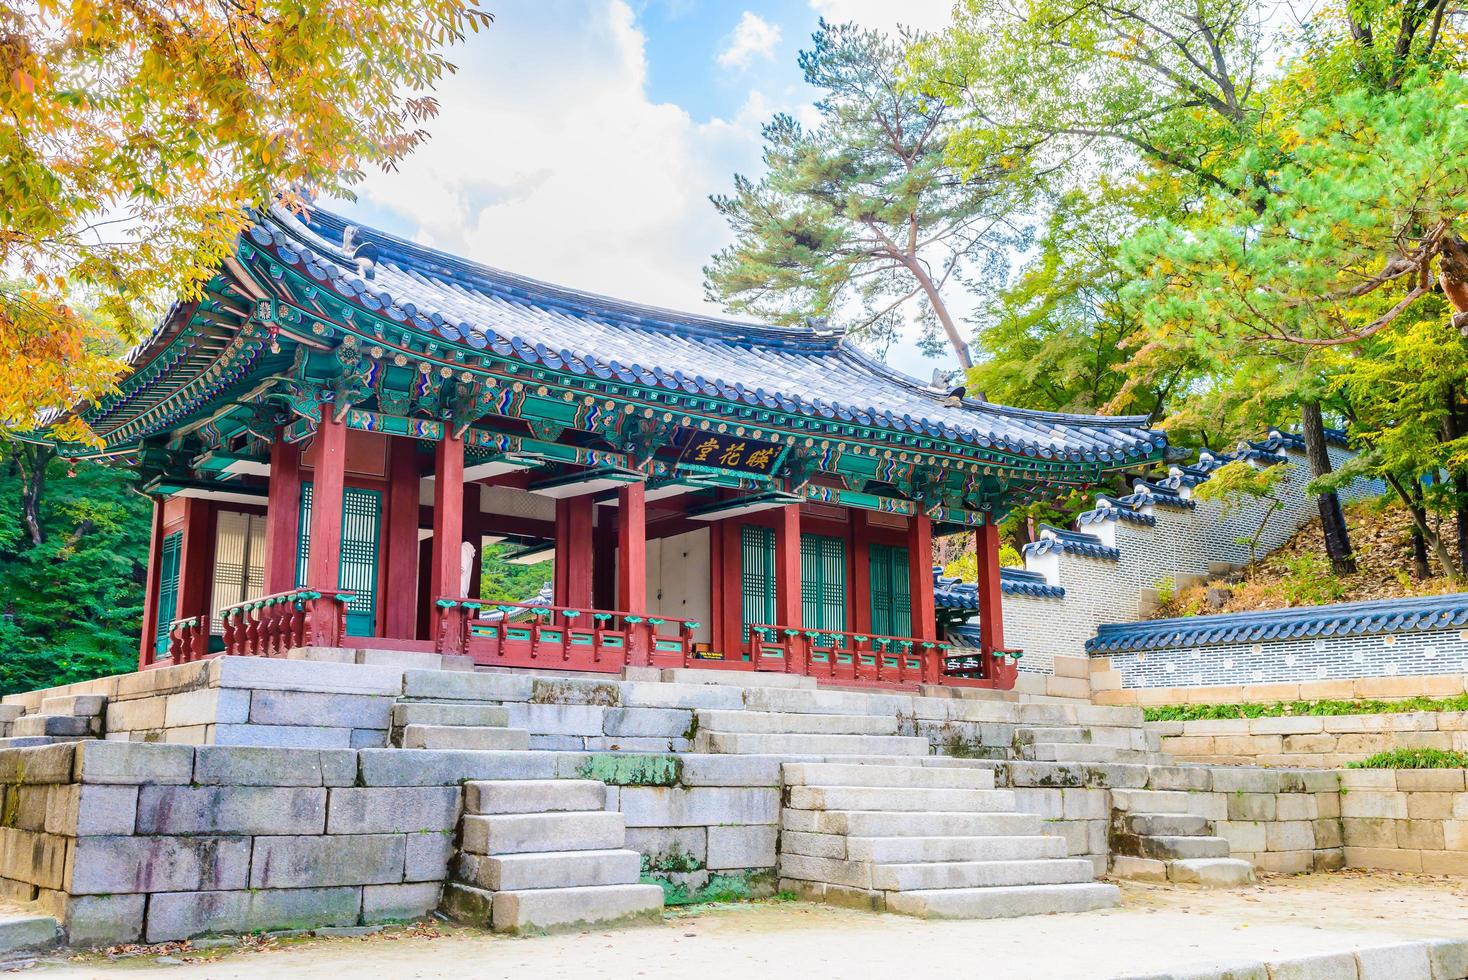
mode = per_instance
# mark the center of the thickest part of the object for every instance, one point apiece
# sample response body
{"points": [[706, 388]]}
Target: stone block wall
{"points": [[1406, 819], [125, 842], [1324, 741]]}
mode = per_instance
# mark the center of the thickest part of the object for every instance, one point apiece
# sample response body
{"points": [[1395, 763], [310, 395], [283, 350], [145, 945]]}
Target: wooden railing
{"points": [[188, 639], [838, 655], [873, 658], [271, 625], [559, 637]]}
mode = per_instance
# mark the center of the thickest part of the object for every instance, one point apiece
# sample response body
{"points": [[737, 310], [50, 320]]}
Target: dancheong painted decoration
{"points": [[343, 421]]}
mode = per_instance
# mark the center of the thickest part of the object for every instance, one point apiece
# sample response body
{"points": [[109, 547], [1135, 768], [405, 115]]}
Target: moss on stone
{"points": [[616, 769]]}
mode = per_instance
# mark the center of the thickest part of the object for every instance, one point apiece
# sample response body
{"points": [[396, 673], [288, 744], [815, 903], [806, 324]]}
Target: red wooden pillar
{"points": [[573, 552], [446, 559], [323, 565], [147, 651], [991, 612], [859, 615], [787, 567], [400, 568], [920, 577], [632, 549], [282, 517], [788, 612], [448, 518], [728, 635], [632, 567]]}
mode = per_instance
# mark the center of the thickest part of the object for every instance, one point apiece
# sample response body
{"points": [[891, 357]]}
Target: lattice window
{"points": [[823, 582], [891, 590], [361, 524], [239, 561], [168, 568], [757, 547]]}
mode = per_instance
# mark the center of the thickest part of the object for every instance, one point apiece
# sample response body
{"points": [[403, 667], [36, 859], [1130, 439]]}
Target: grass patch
{"points": [[1286, 709], [1413, 759]]}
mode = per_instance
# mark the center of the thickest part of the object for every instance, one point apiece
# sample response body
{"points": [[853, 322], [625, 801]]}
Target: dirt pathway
{"points": [[1159, 927]]}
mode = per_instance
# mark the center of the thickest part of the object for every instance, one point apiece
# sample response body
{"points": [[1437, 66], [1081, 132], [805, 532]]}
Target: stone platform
{"points": [[243, 793]]}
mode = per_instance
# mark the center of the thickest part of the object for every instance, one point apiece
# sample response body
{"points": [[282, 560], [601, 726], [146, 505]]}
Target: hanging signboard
{"points": [[726, 451]]}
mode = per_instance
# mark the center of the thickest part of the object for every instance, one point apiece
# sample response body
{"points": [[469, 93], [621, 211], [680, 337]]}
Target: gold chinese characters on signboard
{"points": [[724, 451]]}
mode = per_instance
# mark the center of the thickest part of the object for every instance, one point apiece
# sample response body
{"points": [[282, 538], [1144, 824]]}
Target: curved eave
{"points": [[286, 246]]}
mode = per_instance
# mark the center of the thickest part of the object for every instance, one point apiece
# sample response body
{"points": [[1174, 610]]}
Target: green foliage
{"points": [[1287, 709], [72, 605], [1309, 581], [860, 216], [1239, 484], [1413, 758], [1057, 338], [505, 581], [966, 565]]}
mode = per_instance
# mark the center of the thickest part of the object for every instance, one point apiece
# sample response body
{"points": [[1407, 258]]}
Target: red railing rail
{"points": [[846, 655], [875, 658], [188, 639], [579, 638], [274, 624]]}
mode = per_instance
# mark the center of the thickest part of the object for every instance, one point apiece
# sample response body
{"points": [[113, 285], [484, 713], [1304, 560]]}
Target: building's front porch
{"points": [[358, 539]]}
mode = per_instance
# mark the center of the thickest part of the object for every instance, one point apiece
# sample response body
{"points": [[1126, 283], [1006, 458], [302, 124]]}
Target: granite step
{"points": [[465, 737], [1170, 848], [543, 909], [550, 869], [75, 726], [784, 723], [1211, 872], [912, 850], [1082, 752], [1168, 825], [891, 798], [1004, 902], [406, 713], [521, 833], [925, 875], [737, 743], [533, 796], [881, 823], [891, 775]]}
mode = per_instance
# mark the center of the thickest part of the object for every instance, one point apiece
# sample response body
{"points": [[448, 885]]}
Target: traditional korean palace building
{"points": [[344, 420]]}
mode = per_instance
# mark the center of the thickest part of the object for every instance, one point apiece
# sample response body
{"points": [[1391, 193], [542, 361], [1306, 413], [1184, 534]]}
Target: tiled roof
{"points": [[1059, 540], [801, 370], [953, 593], [1343, 619]]}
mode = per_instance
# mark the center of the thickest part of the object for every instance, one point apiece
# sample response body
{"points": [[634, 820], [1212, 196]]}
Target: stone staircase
{"points": [[68, 718], [545, 854], [455, 725], [1089, 743], [929, 841], [1166, 835], [790, 733]]}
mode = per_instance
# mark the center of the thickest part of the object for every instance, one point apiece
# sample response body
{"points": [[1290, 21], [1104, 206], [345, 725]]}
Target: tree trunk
{"points": [[965, 359], [1433, 540], [33, 460], [1332, 518], [1421, 570]]}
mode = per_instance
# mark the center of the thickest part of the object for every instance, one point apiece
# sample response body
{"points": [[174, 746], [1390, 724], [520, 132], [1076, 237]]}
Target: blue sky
{"points": [[580, 139]]}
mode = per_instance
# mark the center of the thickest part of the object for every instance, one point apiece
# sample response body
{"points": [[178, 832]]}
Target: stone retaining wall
{"points": [[1406, 819], [1106, 685], [1324, 741], [123, 842]]}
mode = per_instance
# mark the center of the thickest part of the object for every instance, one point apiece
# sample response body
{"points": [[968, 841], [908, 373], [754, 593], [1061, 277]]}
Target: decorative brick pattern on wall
{"points": [[1168, 545], [1333, 658]]}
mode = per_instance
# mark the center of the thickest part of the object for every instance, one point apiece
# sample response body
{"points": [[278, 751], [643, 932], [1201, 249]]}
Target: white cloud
{"points": [[924, 15], [549, 160], [753, 37]]}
